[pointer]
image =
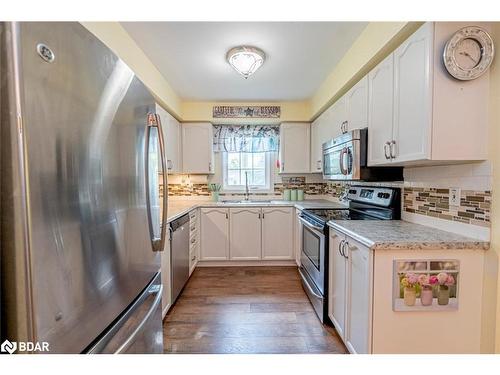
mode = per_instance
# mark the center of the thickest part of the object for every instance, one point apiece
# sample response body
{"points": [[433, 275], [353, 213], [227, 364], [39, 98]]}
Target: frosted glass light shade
{"points": [[245, 60]]}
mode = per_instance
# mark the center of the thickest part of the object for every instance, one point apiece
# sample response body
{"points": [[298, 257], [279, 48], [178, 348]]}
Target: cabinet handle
{"points": [[341, 244], [318, 165], [227, 216], [391, 148], [259, 215], [385, 150], [193, 258], [346, 245], [209, 166], [282, 164], [170, 165], [263, 215]]}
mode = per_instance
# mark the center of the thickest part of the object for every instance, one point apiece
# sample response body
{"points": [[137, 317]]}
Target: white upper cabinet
{"points": [[245, 233], [294, 147], [412, 97], [197, 148], [357, 106], [214, 239], [172, 137], [380, 118], [336, 119], [316, 144], [435, 118], [277, 233]]}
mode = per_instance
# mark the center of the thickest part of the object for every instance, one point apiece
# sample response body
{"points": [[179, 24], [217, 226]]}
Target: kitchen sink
{"points": [[250, 201]]}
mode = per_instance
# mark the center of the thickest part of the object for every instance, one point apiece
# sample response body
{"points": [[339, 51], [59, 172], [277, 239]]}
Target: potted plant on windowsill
{"points": [[215, 190], [445, 281], [426, 284], [409, 283]]}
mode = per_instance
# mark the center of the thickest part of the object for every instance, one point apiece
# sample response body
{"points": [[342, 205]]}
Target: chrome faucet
{"points": [[247, 194]]}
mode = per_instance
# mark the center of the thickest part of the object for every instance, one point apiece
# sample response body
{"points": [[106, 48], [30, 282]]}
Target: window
{"points": [[238, 165]]}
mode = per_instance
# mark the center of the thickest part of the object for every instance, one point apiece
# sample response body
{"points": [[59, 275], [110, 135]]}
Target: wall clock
{"points": [[468, 53]]}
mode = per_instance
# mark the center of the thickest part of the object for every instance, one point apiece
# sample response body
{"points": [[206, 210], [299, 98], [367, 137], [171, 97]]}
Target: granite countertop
{"points": [[178, 208], [403, 235]]}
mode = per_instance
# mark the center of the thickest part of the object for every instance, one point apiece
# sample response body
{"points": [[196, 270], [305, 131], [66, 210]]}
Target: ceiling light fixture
{"points": [[245, 60]]}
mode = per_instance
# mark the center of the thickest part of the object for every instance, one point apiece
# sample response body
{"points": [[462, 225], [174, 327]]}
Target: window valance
{"points": [[246, 138]]}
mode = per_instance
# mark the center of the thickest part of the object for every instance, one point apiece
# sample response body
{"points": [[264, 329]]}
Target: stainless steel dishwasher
{"points": [[179, 237]]}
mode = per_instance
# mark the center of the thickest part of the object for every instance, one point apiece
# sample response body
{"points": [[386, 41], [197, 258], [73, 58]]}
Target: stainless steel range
{"points": [[365, 203]]}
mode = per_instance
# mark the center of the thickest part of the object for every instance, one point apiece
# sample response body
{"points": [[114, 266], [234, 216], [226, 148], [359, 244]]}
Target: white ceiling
{"points": [[191, 56]]}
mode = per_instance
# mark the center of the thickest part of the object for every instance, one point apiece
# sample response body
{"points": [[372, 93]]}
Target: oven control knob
{"points": [[380, 195]]}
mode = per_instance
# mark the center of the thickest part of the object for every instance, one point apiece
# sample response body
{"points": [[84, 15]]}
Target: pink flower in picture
{"points": [[449, 281], [442, 277], [423, 279], [412, 278], [433, 280]]}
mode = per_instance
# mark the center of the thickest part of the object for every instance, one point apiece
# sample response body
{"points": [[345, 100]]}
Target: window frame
{"points": [[269, 187]]}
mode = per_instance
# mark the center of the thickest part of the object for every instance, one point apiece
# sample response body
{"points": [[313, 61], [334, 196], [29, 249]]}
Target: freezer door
{"points": [[84, 115], [139, 329]]}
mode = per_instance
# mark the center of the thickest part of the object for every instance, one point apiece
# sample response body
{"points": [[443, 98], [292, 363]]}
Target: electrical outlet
{"points": [[454, 197]]}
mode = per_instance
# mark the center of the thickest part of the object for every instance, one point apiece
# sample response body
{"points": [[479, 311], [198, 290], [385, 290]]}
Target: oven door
{"points": [[312, 256]]}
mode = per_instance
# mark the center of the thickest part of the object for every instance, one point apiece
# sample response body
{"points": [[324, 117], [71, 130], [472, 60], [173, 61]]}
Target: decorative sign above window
{"points": [[233, 111]]}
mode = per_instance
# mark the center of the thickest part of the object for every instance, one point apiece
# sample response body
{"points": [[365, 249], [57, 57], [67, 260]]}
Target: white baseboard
{"points": [[468, 230], [248, 263]]}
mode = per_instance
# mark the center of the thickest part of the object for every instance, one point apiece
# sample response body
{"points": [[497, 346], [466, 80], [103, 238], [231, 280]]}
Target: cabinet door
{"points": [[214, 239], [359, 298], [337, 283], [277, 233], [197, 148], [380, 111], [413, 96], [357, 105], [298, 237], [172, 136], [294, 147], [335, 117], [245, 234], [316, 146]]}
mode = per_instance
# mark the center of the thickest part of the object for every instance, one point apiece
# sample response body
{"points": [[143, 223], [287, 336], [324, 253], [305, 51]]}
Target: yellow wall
{"points": [[376, 41], [119, 41], [492, 279], [202, 111]]}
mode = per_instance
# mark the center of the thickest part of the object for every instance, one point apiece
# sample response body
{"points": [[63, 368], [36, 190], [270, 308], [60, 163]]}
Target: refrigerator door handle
{"points": [[157, 242], [130, 340]]}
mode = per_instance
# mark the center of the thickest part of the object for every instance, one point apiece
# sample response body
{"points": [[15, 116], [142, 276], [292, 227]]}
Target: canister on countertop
{"points": [[293, 195], [286, 194], [300, 195]]}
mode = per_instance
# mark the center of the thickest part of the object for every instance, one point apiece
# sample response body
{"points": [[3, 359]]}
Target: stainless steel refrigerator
{"points": [[82, 157]]}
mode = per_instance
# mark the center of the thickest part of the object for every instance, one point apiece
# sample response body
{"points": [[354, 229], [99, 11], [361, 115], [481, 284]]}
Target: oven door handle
{"points": [[306, 282], [309, 225]]}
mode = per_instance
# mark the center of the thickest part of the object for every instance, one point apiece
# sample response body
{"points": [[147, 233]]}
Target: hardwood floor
{"points": [[246, 310]]}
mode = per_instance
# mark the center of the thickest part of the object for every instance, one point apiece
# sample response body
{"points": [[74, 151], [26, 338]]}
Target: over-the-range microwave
{"points": [[345, 158]]}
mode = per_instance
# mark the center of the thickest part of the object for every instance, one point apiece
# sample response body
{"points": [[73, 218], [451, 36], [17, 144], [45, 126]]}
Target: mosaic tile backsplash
{"points": [[474, 205]]}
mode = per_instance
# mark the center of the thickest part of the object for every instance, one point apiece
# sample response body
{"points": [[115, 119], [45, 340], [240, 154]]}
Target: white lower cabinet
{"points": [[350, 291], [337, 283], [245, 233], [277, 233], [214, 239], [359, 307]]}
